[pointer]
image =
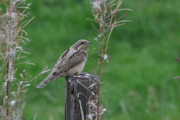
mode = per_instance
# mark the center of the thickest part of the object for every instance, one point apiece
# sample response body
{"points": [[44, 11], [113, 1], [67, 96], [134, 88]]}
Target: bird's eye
{"points": [[81, 43]]}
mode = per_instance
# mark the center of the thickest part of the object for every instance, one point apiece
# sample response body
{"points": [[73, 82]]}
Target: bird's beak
{"points": [[89, 42]]}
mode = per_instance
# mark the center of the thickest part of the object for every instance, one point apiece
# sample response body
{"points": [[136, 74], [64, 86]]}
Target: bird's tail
{"points": [[48, 79]]}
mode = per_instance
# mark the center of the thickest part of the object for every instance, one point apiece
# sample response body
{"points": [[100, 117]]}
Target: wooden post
{"points": [[77, 95]]}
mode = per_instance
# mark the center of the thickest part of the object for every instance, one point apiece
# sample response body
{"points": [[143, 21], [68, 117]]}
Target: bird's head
{"points": [[81, 45]]}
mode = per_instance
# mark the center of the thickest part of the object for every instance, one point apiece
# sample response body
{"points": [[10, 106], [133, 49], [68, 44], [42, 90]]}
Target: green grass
{"points": [[143, 53]]}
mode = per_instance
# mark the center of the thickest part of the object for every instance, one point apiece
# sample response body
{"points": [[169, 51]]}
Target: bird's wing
{"points": [[61, 58], [74, 60]]}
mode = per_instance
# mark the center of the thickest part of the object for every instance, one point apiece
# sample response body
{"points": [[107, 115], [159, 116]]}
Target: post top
{"points": [[84, 76]]}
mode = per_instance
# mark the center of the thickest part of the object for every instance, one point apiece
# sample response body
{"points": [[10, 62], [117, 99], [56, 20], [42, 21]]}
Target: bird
{"points": [[71, 62]]}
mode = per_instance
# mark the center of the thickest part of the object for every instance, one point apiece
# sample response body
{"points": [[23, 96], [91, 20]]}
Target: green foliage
{"points": [[140, 83]]}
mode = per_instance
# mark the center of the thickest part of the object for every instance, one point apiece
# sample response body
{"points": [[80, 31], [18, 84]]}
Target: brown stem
{"points": [[102, 29], [99, 73], [8, 59], [7, 91]]}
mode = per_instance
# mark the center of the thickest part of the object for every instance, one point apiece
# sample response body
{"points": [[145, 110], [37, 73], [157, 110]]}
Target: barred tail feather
{"points": [[48, 79]]}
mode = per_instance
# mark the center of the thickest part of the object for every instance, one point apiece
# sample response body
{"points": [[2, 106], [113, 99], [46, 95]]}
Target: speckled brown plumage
{"points": [[71, 62]]}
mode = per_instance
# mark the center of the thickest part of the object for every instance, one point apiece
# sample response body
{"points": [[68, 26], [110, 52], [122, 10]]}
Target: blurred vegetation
{"points": [[143, 53]]}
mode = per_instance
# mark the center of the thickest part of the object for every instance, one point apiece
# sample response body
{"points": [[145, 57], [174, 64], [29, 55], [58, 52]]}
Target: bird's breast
{"points": [[77, 69]]}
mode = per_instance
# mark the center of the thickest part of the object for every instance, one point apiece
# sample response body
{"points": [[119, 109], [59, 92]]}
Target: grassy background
{"points": [[143, 53]]}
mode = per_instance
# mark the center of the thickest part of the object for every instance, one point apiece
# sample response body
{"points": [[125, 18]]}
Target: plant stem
{"points": [[7, 87], [8, 58], [99, 73], [7, 91], [100, 63]]}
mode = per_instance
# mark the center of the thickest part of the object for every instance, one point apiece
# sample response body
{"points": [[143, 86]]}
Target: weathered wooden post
{"points": [[77, 93]]}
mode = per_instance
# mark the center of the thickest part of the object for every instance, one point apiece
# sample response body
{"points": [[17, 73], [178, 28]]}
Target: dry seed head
{"points": [[96, 7]]}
